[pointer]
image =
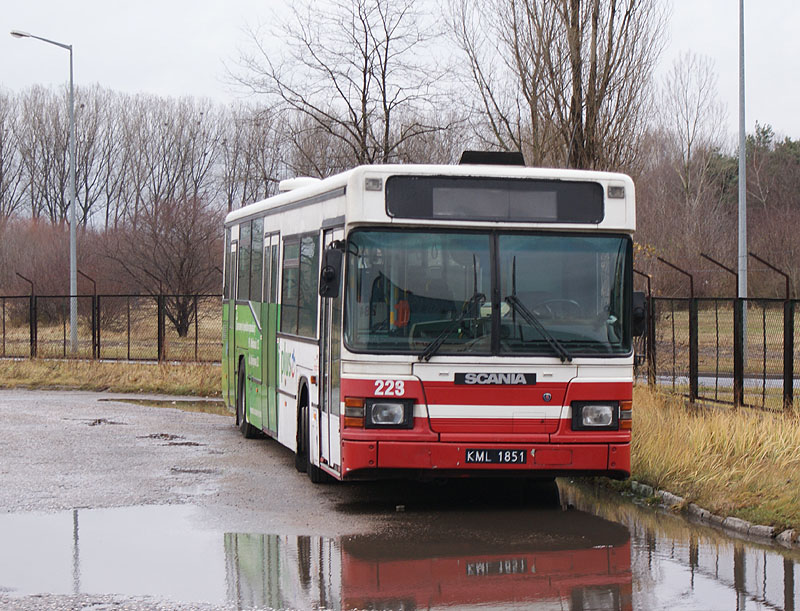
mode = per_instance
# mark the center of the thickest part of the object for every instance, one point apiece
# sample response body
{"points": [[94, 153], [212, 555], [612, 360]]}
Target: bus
{"points": [[436, 321]]}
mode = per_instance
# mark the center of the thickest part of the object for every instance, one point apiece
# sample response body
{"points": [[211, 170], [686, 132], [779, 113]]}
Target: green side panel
{"points": [[225, 357], [248, 343], [270, 362], [228, 356]]}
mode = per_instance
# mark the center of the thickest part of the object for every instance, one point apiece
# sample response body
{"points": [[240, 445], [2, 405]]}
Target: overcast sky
{"points": [[177, 47]]}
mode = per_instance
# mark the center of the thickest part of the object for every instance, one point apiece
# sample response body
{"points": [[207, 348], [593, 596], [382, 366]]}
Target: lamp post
{"points": [[73, 251], [741, 282]]}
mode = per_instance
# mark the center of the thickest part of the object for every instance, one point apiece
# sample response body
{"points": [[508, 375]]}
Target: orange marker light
{"points": [[354, 412]]}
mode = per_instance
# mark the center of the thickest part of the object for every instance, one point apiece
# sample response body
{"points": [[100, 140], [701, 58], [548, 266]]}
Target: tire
{"points": [[315, 474], [247, 429], [301, 455]]}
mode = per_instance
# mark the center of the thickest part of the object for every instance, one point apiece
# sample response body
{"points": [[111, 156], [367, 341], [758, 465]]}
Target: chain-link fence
{"points": [[18, 338], [700, 349], [116, 327]]}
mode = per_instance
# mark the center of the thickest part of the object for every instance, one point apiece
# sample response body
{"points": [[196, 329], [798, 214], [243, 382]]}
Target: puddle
{"points": [[605, 554]]}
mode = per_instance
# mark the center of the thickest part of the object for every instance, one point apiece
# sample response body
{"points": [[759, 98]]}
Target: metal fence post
{"points": [[97, 319], [196, 330], [94, 326], [128, 300], [34, 326], [693, 351], [788, 354], [738, 351], [160, 301], [651, 341]]}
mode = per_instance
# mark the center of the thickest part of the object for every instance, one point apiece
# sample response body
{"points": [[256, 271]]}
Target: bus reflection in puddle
{"points": [[588, 568]]}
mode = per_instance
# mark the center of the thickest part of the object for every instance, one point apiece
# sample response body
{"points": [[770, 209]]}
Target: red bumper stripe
{"points": [[419, 455]]}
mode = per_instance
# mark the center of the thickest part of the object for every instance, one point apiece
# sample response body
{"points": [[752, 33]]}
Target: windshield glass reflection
{"points": [[507, 293]]}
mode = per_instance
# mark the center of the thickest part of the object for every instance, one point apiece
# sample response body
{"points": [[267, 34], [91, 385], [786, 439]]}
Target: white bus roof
{"points": [[353, 178]]}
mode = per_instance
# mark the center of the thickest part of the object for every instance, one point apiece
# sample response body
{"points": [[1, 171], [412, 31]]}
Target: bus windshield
{"points": [[426, 292]]}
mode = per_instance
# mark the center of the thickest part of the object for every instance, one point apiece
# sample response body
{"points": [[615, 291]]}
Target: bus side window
{"points": [[309, 284], [273, 279], [226, 273], [257, 257], [244, 261], [289, 288]]}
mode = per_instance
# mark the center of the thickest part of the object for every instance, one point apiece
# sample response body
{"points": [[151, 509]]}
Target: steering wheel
{"points": [[558, 308]]}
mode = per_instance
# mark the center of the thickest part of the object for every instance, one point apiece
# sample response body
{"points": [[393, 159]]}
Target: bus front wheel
{"points": [[248, 430]]}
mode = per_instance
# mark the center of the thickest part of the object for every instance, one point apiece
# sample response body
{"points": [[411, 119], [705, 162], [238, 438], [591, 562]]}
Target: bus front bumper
{"points": [[543, 460]]}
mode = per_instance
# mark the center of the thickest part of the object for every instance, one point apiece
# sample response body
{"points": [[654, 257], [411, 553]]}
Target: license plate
{"points": [[512, 566], [496, 457]]}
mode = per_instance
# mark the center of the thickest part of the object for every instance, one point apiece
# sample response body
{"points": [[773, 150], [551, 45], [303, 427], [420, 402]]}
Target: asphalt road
{"points": [[65, 451], [62, 450], [108, 505]]}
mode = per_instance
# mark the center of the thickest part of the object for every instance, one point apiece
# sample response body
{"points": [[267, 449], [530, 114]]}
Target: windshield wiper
{"points": [[530, 318], [431, 349]]}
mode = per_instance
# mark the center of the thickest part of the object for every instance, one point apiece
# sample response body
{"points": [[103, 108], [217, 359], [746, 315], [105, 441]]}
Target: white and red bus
{"points": [[429, 320]]}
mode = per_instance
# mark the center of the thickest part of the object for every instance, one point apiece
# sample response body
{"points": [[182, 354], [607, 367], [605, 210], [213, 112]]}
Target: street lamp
{"points": [[73, 251]]}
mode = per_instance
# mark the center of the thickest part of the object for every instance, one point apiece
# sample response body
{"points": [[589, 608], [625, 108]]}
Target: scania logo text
{"points": [[495, 379]]}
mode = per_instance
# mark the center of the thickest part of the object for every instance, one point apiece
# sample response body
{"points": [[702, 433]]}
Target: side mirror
{"points": [[639, 311], [331, 273]]}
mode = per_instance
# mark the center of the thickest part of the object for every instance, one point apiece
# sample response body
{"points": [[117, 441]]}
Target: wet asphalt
{"points": [[64, 451], [109, 505]]}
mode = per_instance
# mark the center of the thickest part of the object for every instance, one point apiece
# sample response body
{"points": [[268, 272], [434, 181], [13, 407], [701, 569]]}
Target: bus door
{"points": [[269, 323], [329, 367], [230, 356]]}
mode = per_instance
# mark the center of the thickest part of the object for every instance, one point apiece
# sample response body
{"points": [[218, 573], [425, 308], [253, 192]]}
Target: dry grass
{"points": [[173, 379], [201, 406], [741, 462]]}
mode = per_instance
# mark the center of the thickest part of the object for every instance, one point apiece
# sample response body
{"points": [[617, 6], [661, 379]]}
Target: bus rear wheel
{"points": [[248, 430]]}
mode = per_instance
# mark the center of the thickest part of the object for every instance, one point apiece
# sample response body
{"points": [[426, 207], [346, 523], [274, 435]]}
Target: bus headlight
{"points": [[595, 415], [390, 414]]}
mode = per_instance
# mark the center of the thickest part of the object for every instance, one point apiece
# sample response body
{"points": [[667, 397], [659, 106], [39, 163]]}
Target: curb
{"points": [[789, 538]]}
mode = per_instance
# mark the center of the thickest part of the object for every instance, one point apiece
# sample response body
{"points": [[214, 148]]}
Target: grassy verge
{"points": [[173, 379], [733, 462]]}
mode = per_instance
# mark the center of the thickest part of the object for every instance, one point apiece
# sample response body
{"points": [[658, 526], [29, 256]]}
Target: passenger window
{"points": [[256, 257], [309, 279], [244, 261], [289, 288]]}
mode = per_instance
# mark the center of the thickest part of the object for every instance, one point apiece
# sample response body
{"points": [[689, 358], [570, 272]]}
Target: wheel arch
{"points": [[302, 393]]}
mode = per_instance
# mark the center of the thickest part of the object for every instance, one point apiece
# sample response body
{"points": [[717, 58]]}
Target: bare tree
{"points": [[12, 187], [357, 72], [113, 157], [43, 145], [251, 149], [565, 81], [682, 201], [172, 250], [693, 120]]}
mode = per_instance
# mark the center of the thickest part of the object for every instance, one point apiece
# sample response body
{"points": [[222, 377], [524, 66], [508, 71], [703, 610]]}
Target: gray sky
{"points": [[177, 47]]}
